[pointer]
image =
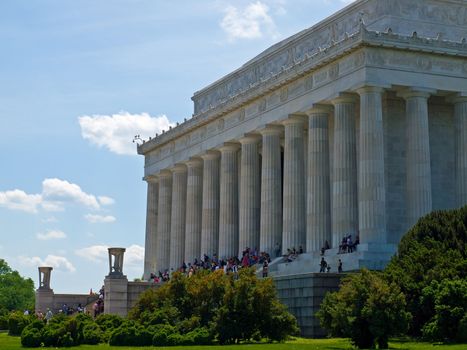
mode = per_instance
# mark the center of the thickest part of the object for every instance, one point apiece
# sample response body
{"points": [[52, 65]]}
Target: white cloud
{"points": [[252, 22], [57, 262], [104, 200], [98, 219], [134, 255], [20, 200], [116, 132], [51, 234], [55, 191], [96, 253], [55, 194]]}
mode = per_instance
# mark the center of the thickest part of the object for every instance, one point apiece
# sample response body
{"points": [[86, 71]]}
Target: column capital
{"points": [[410, 92], [178, 168], [165, 173], [344, 97], [194, 162], [250, 138], [319, 108], [458, 97], [369, 89], [150, 178], [229, 147], [294, 119], [211, 154], [271, 129]]}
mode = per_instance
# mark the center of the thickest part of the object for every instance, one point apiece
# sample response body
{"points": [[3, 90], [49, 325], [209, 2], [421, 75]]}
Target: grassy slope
{"points": [[13, 343]]}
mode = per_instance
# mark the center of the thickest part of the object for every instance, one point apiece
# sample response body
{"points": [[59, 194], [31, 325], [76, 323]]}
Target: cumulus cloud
{"points": [[99, 219], [251, 22], [51, 234], [55, 193], [116, 132], [20, 200], [134, 255], [104, 200], [57, 262]]}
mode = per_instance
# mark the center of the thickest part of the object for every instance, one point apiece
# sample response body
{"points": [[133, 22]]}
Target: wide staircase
{"points": [[371, 256]]}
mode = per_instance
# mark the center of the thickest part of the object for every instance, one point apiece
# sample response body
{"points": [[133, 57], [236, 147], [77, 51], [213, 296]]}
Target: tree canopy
{"points": [[16, 292]]}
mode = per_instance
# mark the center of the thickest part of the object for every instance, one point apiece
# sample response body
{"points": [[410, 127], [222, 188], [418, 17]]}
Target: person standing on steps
{"points": [[339, 266], [323, 265]]}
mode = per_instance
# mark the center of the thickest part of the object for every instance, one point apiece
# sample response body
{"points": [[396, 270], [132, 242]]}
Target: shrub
{"points": [[161, 334], [199, 336], [131, 334], [366, 309], [92, 334], [31, 337], [52, 334], [66, 340], [3, 322], [17, 322], [175, 339], [461, 336]]}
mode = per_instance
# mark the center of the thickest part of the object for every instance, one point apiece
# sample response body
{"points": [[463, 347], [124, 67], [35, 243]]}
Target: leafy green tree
{"points": [[435, 249], [450, 304], [366, 309], [16, 292]]}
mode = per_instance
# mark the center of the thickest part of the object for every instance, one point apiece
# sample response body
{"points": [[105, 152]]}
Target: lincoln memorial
{"points": [[355, 126]]}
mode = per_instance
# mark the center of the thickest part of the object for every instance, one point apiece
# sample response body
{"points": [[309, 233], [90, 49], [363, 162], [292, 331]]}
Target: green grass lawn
{"points": [[12, 343]]}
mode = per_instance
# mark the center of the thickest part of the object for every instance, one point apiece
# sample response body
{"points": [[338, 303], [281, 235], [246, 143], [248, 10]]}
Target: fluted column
{"points": [[194, 202], [294, 205], [344, 183], [164, 208], [228, 211], [419, 200], [460, 116], [271, 190], [177, 228], [319, 190], [150, 245], [210, 214], [371, 188], [250, 195]]}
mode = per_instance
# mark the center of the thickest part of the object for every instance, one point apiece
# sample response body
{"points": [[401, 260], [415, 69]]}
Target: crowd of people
{"points": [[347, 245], [250, 257], [98, 306]]}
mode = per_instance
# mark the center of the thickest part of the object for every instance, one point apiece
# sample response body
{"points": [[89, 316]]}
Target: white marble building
{"points": [[357, 125]]}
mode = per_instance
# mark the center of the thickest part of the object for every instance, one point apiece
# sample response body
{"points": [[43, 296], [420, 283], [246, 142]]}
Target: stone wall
{"points": [[303, 294], [47, 299]]}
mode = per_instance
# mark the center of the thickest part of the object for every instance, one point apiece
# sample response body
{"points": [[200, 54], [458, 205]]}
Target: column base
{"points": [[116, 295]]}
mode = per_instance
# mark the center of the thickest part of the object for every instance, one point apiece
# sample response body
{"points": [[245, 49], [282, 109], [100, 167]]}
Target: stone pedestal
{"points": [[116, 295], [44, 299]]}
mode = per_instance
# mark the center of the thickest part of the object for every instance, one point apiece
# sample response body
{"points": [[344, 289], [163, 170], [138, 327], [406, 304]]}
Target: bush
{"points": [[161, 335], [461, 336], [199, 336], [366, 309], [66, 340], [92, 334], [3, 322], [31, 338], [52, 334], [131, 334], [17, 322]]}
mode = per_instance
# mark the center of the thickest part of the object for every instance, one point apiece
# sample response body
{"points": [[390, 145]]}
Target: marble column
{"points": [[210, 213], [419, 200], [194, 207], [271, 190], [344, 182], [460, 117], [177, 227], [150, 244], [371, 188], [319, 190], [294, 205], [228, 208], [250, 195], [163, 220]]}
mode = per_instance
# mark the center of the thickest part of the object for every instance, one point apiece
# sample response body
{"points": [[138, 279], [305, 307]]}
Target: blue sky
{"points": [[78, 79]]}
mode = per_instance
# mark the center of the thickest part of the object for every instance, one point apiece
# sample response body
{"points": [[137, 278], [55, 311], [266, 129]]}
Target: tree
{"points": [[16, 292], [435, 249], [366, 309]]}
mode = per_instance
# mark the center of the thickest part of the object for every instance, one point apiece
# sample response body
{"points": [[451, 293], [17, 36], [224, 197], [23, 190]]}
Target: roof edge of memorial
{"points": [[300, 68]]}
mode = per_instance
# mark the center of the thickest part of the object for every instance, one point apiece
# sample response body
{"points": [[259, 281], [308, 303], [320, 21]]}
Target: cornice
{"points": [[350, 43]]}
